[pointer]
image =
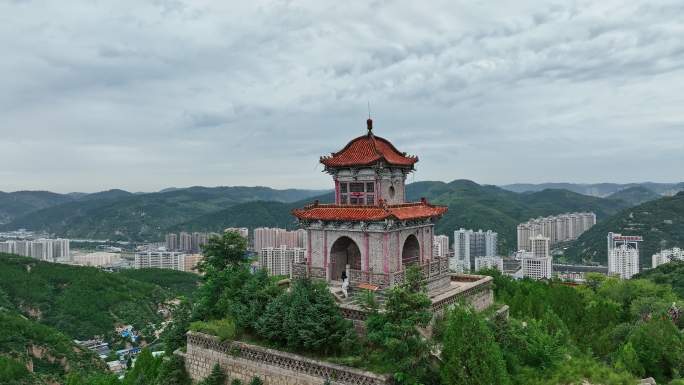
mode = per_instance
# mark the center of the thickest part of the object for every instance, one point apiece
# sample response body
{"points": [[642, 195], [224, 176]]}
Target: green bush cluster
{"points": [[224, 329]]}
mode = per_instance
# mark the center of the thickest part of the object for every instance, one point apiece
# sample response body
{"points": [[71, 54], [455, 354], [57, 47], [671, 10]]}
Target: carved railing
{"points": [[292, 362], [429, 269]]}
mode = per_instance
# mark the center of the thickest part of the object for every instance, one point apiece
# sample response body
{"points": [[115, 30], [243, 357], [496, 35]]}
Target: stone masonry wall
{"points": [[244, 361]]}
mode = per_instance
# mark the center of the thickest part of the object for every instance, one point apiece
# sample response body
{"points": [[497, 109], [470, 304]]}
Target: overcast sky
{"points": [[143, 95]]}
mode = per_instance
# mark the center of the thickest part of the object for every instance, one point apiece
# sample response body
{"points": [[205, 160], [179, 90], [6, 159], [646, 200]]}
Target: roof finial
{"points": [[369, 122]]}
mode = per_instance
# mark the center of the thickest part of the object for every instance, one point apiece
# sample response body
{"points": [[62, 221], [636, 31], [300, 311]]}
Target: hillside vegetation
{"points": [[118, 215], [32, 353], [671, 273], [660, 222], [83, 302]]}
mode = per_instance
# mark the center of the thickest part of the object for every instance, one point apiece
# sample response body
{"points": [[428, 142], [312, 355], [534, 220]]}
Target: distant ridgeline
{"points": [[150, 216]]}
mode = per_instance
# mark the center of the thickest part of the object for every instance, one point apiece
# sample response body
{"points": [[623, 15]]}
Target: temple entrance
{"points": [[410, 254], [344, 252]]}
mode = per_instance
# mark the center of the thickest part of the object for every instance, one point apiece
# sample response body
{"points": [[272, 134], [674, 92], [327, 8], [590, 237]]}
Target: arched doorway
{"points": [[411, 252], [344, 252]]}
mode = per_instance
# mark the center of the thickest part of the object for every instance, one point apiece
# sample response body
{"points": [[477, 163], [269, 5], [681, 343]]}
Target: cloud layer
{"points": [[145, 95]]}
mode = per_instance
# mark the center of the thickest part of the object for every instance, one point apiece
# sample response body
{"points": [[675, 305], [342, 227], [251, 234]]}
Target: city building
{"points": [[191, 262], [535, 267], [489, 263], [440, 246], [172, 242], [265, 237], [469, 244], [279, 260], [98, 259], [558, 228], [623, 254], [540, 246], [185, 242], [44, 249], [665, 256], [160, 260]]}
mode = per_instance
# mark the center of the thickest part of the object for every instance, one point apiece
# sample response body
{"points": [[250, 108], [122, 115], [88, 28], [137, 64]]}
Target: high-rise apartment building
{"points": [[265, 237], [623, 261], [185, 242], [440, 246], [279, 260], [665, 256], [160, 260], [623, 254], [558, 228], [539, 246], [469, 244], [172, 242], [43, 249], [460, 262]]}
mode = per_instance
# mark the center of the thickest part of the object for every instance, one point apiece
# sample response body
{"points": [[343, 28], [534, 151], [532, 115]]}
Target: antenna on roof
{"points": [[369, 122]]}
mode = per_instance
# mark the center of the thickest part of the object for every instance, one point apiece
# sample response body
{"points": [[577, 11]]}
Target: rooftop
{"points": [[367, 150], [403, 211]]}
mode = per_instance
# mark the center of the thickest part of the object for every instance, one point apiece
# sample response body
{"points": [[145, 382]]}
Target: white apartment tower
{"points": [[160, 260], [558, 228], [440, 246], [469, 244], [623, 255], [665, 256], [279, 260]]}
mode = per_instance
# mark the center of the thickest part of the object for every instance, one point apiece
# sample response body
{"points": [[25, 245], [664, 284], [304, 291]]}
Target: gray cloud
{"points": [[170, 93]]}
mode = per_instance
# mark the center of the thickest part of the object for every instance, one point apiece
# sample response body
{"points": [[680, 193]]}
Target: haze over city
{"points": [[167, 93]]}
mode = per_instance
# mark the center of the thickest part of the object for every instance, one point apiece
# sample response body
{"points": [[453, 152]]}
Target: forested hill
{"points": [[660, 222], [635, 195], [32, 353], [120, 215], [83, 302], [470, 206]]}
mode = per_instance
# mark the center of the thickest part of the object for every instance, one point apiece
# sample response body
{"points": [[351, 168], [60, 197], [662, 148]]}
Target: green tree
{"points": [[145, 370], [216, 377], [660, 348], [222, 251], [627, 359], [470, 354], [256, 381], [394, 332], [172, 372], [307, 319], [174, 334]]}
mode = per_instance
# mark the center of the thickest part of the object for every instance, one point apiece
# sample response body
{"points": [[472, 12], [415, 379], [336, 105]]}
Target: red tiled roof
{"points": [[405, 211], [368, 149]]}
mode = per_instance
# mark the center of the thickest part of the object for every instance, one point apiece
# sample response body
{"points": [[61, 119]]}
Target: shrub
{"points": [[224, 329]]}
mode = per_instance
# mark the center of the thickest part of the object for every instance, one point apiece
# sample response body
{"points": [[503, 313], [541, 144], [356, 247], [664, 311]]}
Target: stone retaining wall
{"points": [[244, 361]]}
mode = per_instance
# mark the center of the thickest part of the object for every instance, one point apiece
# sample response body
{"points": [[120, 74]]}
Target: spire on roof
{"points": [[369, 125]]}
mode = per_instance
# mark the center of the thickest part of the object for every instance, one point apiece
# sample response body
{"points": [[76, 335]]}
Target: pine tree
{"points": [[216, 377], [470, 354]]}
